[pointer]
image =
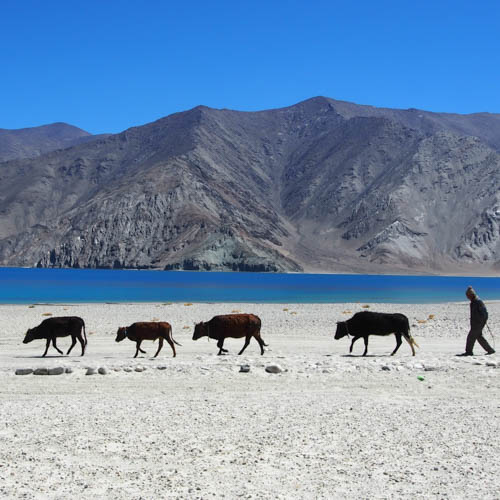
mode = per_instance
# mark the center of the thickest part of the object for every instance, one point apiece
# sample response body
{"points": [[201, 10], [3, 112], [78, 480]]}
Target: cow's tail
{"points": [[84, 332], [172, 337], [411, 340]]}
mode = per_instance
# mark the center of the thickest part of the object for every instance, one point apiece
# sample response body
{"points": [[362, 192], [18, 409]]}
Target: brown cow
{"points": [[147, 330], [231, 325]]}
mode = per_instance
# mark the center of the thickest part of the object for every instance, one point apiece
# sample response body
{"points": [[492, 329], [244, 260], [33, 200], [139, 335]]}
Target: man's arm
{"points": [[480, 312]]}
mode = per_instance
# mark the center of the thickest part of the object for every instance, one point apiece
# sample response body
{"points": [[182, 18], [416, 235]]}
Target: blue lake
{"points": [[26, 286]]}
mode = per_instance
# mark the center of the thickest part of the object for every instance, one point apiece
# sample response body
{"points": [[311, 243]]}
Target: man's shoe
{"points": [[465, 354], [490, 352]]}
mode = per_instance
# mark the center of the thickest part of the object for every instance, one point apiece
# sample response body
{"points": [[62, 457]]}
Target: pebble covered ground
{"points": [[320, 424]]}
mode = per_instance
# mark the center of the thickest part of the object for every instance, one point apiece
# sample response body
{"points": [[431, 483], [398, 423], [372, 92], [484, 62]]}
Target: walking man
{"points": [[478, 318]]}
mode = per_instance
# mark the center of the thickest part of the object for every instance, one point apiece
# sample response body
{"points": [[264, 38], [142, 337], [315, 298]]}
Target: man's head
{"points": [[470, 293]]}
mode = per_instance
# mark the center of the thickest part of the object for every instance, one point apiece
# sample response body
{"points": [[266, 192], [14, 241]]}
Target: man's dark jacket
{"points": [[478, 313]]}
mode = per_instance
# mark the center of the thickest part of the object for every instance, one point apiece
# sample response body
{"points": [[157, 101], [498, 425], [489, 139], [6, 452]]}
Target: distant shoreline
{"points": [[229, 303], [311, 273]]}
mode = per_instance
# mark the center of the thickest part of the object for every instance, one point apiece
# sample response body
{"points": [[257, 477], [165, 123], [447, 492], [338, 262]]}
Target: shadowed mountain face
{"points": [[31, 142], [320, 186]]}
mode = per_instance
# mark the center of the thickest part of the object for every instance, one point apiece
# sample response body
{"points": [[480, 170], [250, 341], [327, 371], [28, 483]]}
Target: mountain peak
{"points": [[34, 141]]}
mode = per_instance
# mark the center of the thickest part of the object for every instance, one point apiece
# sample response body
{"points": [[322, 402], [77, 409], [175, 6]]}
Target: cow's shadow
{"points": [[367, 356], [150, 358], [42, 357]]}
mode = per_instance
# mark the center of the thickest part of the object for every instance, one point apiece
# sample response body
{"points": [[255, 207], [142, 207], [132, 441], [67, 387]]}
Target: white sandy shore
{"points": [[328, 426]]}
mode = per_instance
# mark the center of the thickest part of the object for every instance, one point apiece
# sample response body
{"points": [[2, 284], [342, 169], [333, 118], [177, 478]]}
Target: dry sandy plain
{"points": [[328, 426]]}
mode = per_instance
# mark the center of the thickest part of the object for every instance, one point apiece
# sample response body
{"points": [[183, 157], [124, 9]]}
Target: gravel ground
{"points": [[328, 425]]}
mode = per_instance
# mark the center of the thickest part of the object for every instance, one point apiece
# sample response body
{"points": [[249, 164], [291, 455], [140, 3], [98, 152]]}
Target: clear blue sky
{"points": [[108, 65]]}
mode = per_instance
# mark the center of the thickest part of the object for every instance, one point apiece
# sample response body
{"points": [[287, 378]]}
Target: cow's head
{"points": [[199, 331], [342, 330], [121, 334], [30, 335]]}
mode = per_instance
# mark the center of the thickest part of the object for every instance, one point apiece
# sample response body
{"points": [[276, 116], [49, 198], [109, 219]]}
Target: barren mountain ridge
{"points": [[321, 186]]}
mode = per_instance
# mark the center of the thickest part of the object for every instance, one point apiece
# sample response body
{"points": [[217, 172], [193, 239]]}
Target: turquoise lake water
{"points": [[27, 286]]}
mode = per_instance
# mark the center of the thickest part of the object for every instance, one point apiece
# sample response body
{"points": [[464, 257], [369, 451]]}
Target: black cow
{"points": [[366, 323], [63, 326], [231, 325]]}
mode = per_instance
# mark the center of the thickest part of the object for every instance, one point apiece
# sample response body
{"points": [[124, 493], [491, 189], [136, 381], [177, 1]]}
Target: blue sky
{"points": [[108, 65]]}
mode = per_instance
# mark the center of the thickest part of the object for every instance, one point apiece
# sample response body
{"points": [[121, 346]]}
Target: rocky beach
{"points": [[305, 420]]}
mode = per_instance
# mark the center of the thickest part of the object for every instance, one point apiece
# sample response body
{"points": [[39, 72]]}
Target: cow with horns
{"points": [[366, 323]]}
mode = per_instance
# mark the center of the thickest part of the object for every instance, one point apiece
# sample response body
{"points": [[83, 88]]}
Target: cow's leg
{"points": [[160, 345], [55, 346], [247, 341], [138, 343], [352, 343], [46, 348], [260, 340], [171, 343], [73, 343], [366, 344], [220, 343], [398, 343], [261, 343]]}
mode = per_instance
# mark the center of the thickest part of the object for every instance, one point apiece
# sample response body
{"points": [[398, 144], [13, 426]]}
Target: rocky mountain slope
{"points": [[35, 141], [323, 185]]}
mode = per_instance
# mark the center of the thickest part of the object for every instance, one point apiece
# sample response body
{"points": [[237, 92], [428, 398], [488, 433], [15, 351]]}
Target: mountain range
{"points": [[320, 186]]}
